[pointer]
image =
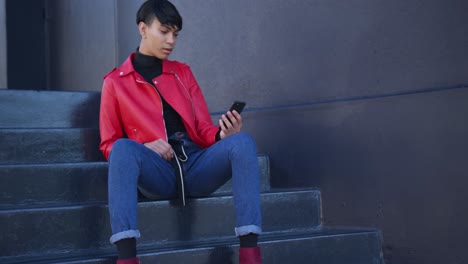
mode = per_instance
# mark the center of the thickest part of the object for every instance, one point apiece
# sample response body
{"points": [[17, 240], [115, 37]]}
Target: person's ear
{"points": [[142, 27]]}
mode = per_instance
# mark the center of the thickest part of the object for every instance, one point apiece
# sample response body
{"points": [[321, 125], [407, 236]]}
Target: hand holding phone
{"points": [[237, 106]]}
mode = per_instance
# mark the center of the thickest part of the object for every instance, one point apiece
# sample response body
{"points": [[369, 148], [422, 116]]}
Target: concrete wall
{"points": [[97, 34], [3, 47], [83, 43], [127, 30]]}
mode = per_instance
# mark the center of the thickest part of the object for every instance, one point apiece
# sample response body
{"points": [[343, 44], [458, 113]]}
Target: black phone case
{"points": [[238, 106]]}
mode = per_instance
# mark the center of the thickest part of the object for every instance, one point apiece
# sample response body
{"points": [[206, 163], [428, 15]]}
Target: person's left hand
{"points": [[232, 124]]}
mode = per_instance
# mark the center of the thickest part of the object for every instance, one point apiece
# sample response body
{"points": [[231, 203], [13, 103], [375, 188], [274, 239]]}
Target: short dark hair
{"points": [[163, 10]]}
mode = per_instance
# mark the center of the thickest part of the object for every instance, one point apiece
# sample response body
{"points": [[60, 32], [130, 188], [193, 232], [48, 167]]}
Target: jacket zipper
{"points": [[162, 109], [190, 97], [167, 139]]}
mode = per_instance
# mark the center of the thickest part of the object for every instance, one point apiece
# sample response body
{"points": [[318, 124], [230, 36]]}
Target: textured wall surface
{"points": [[83, 43], [127, 30], [3, 47], [288, 52], [363, 99]]}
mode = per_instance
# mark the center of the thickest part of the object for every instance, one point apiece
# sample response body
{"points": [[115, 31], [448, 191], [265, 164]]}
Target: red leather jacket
{"points": [[132, 108]]}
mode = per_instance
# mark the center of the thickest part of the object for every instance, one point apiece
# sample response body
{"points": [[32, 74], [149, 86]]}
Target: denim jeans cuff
{"points": [[244, 230], [124, 234]]}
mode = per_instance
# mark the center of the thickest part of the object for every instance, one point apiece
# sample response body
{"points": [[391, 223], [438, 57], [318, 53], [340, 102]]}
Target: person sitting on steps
{"points": [[157, 134]]}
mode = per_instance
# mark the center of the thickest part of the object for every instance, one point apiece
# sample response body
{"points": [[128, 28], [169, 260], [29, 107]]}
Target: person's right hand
{"points": [[161, 147]]}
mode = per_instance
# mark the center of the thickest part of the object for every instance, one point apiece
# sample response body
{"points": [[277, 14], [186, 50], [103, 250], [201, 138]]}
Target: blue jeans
{"points": [[133, 166]]}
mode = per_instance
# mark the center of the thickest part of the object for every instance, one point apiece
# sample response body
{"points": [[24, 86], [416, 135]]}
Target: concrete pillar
{"points": [[3, 46], [83, 43], [127, 30]]}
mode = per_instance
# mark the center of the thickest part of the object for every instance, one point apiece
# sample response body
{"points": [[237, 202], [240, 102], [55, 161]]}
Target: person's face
{"points": [[157, 40]]}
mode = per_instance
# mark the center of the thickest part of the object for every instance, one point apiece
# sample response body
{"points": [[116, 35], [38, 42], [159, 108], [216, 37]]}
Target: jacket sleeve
{"points": [[205, 128], [110, 122]]}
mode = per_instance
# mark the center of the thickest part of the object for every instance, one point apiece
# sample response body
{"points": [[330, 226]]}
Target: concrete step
{"points": [[49, 109], [35, 146], [70, 229], [44, 185], [321, 245]]}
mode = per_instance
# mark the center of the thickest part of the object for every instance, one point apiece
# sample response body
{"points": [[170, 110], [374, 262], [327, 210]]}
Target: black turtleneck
{"points": [[150, 67]]}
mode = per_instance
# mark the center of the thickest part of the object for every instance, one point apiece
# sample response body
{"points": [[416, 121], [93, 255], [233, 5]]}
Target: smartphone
{"points": [[238, 106]]}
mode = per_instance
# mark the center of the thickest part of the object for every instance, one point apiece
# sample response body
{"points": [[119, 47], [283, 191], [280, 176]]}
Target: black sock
{"points": [[249, 240], [126, 248]]}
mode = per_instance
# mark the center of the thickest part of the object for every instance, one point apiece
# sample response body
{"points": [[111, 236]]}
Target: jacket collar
{"points": [[127, 66]]}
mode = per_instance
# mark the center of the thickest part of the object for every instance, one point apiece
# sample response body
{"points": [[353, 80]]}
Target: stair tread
{"points": [[52, 185], [28, 108], [80, 227], [269, 241], [29, 146]]}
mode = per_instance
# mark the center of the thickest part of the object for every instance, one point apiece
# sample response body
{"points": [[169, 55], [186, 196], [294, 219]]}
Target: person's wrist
{"points": [[222, 134]]}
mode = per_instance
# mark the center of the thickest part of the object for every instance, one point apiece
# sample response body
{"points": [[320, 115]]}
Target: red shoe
{"points": [[128, 261], [250, 255]]}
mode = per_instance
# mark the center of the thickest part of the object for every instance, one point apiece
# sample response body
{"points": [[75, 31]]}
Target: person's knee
{"points": [[244, 137], [243, 140], [123, 146]]}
